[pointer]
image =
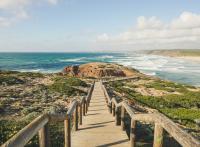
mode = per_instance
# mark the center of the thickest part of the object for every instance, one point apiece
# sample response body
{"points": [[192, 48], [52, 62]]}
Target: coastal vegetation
{"points": [[176, 52], [25, 95], [177, 101]]}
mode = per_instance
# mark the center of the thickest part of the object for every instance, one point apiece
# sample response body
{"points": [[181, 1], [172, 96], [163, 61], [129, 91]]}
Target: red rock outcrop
{"points": [[98, 70]]}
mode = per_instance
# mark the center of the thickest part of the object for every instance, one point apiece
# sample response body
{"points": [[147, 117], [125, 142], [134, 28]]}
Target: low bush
{"points": [[10, 80]]}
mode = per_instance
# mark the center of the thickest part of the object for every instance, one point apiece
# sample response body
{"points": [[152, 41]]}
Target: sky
{"points": [[98, 25]]}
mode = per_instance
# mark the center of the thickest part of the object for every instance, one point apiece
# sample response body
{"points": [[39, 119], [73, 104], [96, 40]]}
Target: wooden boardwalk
{"points": [[99, 129]]}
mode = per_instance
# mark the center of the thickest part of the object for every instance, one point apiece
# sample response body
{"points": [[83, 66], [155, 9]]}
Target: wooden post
{"points": [[67, 126], [44, 137], [76, 118], [110, 107], [122, 118], [158, 135], [113, 109], [84, 108], [117, 117], [80, 114], [132, 133]]}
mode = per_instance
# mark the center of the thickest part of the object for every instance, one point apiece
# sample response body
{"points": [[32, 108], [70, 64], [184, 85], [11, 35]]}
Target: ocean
{"points": [[178, 70]]}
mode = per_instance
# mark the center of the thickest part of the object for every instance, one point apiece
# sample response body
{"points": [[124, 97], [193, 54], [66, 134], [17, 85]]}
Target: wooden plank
{"points": [[132, 133], [67, 135], [158, 135], [113, 110], [184, 138], [122, 118], [117, 116], [72, 107], [84, 108], [144, 117], [76, 118], [80, 114], [44, 136], [129, 110]]}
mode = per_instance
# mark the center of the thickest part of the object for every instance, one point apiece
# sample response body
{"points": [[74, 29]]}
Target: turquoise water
{"points": [[178, 70]]}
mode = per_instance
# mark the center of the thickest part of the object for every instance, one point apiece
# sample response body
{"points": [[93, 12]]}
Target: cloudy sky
{"points": [[99, 25]]}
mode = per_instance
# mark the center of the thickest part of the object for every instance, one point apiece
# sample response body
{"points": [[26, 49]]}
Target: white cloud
{"points": [[152, 32], [187, 20], [148, 23], [15, 10], [54, 2]]}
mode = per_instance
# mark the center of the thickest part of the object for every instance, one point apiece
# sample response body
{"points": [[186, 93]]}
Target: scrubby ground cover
{"points": [[177, 101], [24, 96]]}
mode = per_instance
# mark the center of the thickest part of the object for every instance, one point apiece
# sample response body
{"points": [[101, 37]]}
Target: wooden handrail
{"points": [[121, 79], [160, 120], [27, 133], [174, 130], [40, 124]]}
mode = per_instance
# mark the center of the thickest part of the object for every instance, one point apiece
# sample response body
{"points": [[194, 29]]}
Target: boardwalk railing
{"points": [[119, 79], [161, 123], [40, 125]]}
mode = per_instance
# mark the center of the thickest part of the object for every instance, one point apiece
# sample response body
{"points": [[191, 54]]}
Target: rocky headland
{"points": [[99, 70]]}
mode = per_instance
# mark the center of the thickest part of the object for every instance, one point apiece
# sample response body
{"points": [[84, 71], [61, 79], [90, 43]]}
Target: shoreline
{"points": [[190, 58]]}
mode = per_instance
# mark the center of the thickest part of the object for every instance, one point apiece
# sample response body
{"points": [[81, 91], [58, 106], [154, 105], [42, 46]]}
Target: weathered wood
{"points": [[144, 117], [44, 136], [24, 135], [110, 107], [158, 136], [128, 109], [72, 107], [80, 114], [121, 79], [113, 109], [122, 118], [40, 124], [174, 130], [88, 97], [98, 128], [67, 135], [82, 100], [117, 116], [76, 118], [84, 108], [132, 133]]}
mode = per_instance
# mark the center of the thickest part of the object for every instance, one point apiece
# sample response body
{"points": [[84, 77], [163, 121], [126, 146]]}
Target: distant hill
{"points": [[176, 52]]}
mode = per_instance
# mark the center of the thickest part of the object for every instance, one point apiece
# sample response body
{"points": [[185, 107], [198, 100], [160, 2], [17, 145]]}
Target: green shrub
{"points": [[31, 74], [63, 86], [10, 80], [181, 107], [70, 81], [184, 116]]}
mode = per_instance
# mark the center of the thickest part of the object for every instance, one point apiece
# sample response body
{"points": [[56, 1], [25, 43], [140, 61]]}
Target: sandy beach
{"points": [[190, 58]]}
